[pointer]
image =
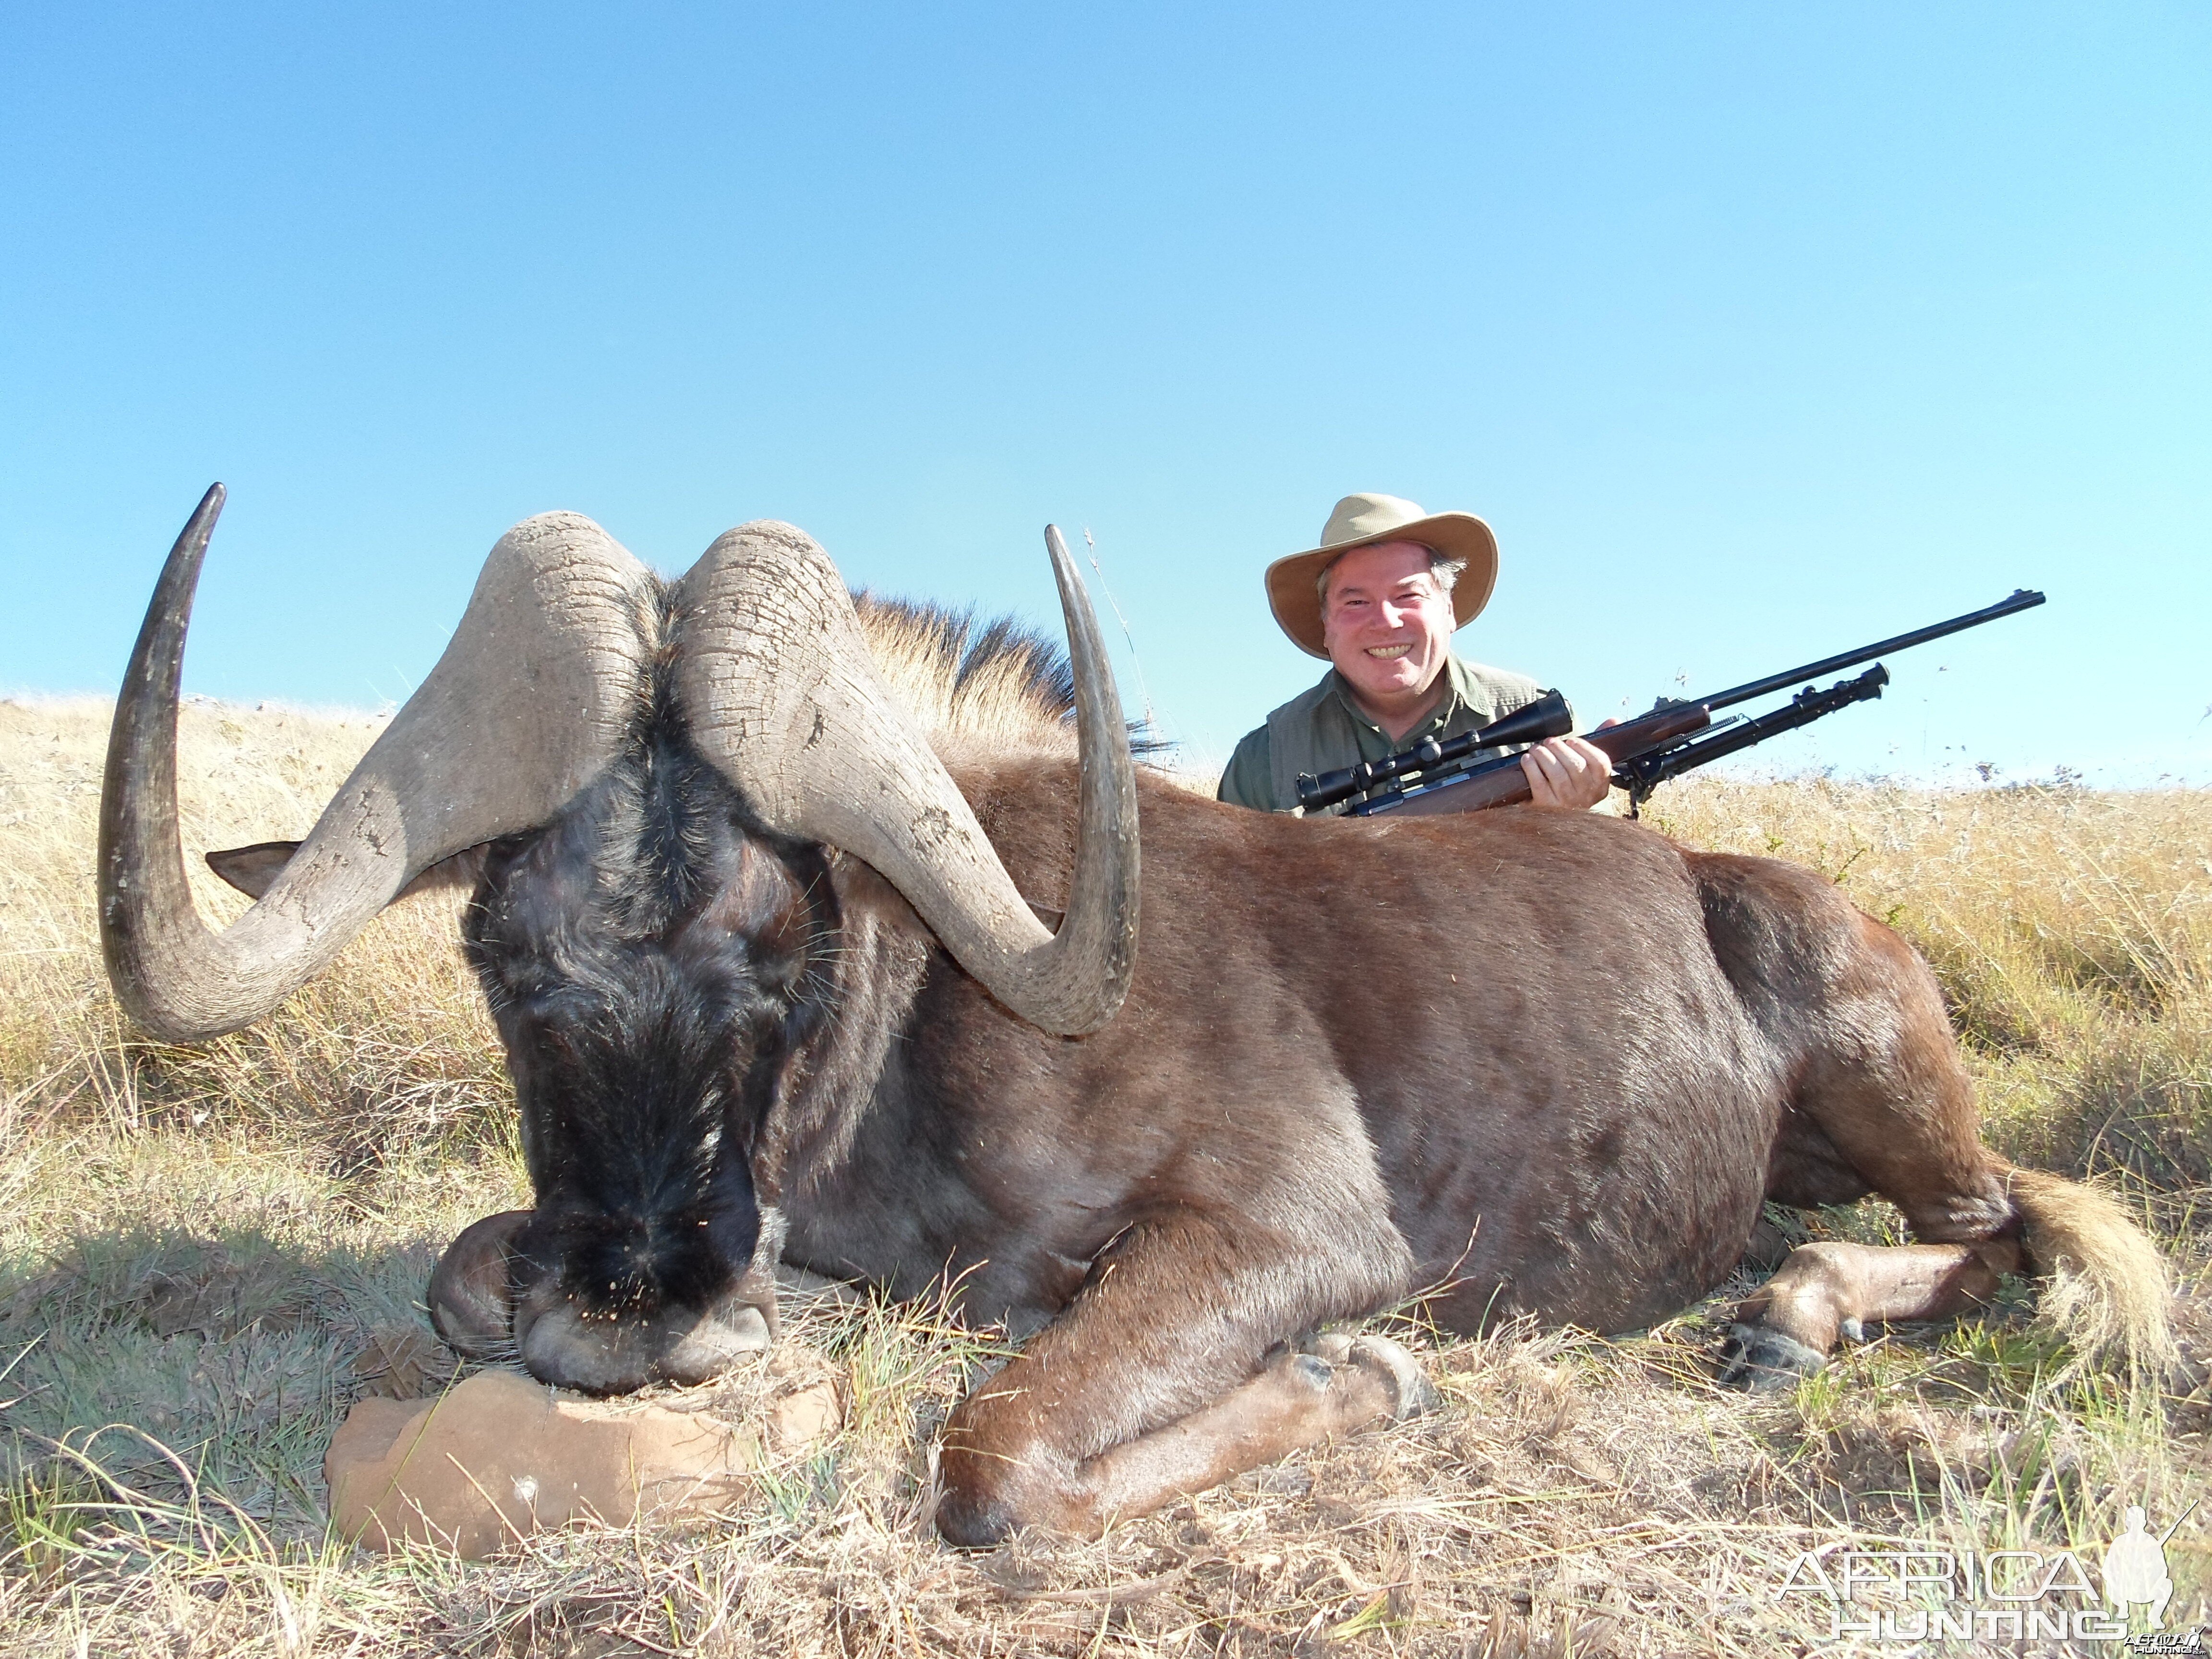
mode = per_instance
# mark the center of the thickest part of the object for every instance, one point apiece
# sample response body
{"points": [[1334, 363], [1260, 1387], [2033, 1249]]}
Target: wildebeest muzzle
{"points": [[497, 1294]]}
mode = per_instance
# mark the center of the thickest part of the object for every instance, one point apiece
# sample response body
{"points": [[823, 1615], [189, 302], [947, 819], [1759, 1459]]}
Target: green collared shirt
{"points": [[1323, 730]]}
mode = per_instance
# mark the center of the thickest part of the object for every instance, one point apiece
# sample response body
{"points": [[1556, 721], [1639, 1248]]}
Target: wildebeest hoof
{"points": [[1412, 1391], [471, 1296], [1757, 1357]]}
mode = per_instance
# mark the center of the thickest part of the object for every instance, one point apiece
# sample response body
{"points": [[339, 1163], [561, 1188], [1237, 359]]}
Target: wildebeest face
{"points": [[645, 960]]}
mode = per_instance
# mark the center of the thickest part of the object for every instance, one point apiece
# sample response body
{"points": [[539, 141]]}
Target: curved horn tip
{"points": [[410, 803], [199, 529]]}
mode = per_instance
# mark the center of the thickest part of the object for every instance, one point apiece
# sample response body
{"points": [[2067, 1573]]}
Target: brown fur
{"points": [[1525, 1061]]}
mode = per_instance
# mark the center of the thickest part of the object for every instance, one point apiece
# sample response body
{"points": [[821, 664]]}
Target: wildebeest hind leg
{"points": [[1786, 1329], [1881, 1101], [1164, 1377]]}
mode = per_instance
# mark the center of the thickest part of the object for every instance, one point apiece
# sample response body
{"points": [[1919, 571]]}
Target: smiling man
{"points": [[1380, 598]]}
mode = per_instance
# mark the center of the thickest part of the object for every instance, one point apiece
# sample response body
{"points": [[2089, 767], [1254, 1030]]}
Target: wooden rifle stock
{"points": [[1502, 782]]}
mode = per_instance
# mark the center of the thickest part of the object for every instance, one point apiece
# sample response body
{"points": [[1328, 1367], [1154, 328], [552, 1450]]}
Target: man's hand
{"points": [[1568, 773]]}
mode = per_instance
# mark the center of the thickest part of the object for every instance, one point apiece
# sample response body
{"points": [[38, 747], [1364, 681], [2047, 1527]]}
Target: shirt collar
{"points": [[1458, 693]]}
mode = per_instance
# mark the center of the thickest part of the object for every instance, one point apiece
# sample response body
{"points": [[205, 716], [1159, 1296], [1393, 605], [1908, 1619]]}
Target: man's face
{"points": [[1386, 624]]}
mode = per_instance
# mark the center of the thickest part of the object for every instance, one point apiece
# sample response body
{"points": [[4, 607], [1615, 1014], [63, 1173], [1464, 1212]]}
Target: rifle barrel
{"points": [[2022, 599]]}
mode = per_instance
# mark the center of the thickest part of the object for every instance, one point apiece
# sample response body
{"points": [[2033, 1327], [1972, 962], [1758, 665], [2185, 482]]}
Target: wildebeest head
{"points": [[652, 773], [649, 959]]}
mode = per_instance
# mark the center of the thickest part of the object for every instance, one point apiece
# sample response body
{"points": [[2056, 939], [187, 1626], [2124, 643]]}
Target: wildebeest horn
{"points": [[530, 699], [783, 698]]}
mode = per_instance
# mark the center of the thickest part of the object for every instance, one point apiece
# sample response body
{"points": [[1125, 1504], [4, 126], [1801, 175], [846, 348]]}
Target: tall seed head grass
{"points": [[2071, 931]]}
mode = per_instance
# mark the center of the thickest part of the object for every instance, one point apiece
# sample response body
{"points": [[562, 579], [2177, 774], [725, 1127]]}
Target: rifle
{"points": [[1677, 736]]}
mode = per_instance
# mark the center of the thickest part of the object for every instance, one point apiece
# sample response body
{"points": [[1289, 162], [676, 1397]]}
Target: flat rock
{"points": [[797, 1420], [498, 1457]]}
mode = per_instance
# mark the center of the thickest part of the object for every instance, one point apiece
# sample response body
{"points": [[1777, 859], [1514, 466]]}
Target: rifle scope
{"points": [[1549, 716]]}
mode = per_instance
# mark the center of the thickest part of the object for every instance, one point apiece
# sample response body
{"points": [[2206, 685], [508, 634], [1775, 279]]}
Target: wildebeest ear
{"points": [[462, 871], [253, 869]]}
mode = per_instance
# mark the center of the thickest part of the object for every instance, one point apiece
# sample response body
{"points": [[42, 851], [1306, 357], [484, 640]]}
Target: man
{"points": [[1380, 598]]}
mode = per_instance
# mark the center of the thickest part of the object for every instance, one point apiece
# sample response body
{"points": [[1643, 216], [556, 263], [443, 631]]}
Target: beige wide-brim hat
{"points": [[1361, 521]]}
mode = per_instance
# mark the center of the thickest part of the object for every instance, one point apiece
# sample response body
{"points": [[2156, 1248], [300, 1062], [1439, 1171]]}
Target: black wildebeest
{"points": [[776, 981]]}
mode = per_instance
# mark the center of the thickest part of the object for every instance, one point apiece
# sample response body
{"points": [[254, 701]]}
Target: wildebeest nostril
{"points": [[471, 1293], [718, 1341]]}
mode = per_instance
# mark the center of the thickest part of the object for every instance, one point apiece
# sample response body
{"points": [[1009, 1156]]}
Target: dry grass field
{"points": [[206, 1255]]}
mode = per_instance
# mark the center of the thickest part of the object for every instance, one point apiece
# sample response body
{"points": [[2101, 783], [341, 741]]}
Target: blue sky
{"points": [[1754, 332]]}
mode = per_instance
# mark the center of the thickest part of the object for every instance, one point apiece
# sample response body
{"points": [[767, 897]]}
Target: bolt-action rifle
{"points": [[1465, 774]]}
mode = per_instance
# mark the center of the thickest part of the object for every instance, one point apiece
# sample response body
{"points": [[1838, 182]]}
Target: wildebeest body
{"points": [[1578, 1130], [1516, 1061]]}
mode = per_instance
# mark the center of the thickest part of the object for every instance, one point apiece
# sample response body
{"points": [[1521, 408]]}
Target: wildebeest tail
{"points": [[2107, 1293]]}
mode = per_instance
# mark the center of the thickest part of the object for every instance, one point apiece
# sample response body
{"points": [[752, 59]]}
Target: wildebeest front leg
{"points": [[1786, 1329], [1165, 1377]]}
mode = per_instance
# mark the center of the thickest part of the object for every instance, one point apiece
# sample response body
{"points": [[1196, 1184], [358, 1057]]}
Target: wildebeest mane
{"points": [[990, 684], [979, 689]]}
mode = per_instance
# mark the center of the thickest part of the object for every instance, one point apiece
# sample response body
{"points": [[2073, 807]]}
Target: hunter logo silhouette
{"points": [[2134, 1567]]}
